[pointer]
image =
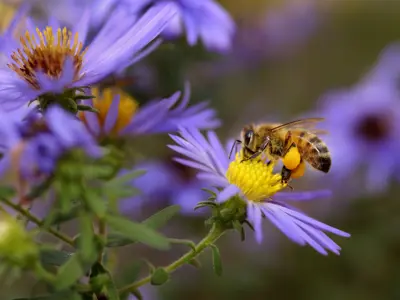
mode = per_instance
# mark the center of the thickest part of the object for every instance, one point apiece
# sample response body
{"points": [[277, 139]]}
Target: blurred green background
{"points": [[340, 48]]}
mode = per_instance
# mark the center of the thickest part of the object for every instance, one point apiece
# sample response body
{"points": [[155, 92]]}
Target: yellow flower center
{"points": [[254, 178], [48, 55], [126, 108]]}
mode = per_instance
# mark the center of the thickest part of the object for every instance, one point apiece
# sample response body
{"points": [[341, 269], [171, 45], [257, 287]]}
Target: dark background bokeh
{"points": [[279, 80]]}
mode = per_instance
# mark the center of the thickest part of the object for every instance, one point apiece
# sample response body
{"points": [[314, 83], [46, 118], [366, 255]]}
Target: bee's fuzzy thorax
{"points": [[254, 178]]}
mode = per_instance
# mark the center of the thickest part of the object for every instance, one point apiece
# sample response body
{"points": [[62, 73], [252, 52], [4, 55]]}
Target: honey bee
{"points": [[283, 141]]}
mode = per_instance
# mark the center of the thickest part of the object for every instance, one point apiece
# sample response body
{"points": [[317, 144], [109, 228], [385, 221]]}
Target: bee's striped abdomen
{"points": [[314, 151]]}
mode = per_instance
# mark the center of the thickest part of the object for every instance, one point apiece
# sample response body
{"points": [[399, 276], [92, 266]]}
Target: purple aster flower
{"points": [[32, 143], [254, 181], [205, 20], [363, 124], [166, 181], [53, 61], [119, 115]]}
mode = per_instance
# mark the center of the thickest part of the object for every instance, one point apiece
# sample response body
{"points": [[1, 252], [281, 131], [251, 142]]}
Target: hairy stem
{"points": [[215, 233], [37, 221]]}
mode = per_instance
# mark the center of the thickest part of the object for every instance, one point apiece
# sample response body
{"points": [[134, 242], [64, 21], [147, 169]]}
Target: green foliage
{"points": [[156, 221], [159, 276], [53, 257], [69, 273], [138, 232], [103, 283], [216, 257]]}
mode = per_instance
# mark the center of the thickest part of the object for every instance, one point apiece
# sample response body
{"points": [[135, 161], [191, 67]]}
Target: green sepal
{"points": [[239, 228], [88, 108], [216, 257], [159, 276], [205, 204]]}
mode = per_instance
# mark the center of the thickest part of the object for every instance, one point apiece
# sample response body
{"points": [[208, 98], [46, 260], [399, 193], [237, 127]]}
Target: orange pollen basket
{"points": [[47, 56]]}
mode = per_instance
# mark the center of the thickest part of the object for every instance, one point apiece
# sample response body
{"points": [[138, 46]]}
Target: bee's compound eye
{"points": [[248, 136]]}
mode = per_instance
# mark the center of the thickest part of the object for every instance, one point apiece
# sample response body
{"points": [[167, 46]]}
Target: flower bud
{"points": [[17, 247]]}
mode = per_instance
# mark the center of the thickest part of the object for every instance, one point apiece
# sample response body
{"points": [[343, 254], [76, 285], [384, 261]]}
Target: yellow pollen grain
{"points": [[126, 108], [46, 52], [254, 178]]}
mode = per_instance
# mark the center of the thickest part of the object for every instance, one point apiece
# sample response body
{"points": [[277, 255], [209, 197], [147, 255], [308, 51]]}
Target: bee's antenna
{"points": [[236, 142]]}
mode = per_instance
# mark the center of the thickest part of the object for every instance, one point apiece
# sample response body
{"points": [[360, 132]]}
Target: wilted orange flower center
{"points": [[48, 55]]}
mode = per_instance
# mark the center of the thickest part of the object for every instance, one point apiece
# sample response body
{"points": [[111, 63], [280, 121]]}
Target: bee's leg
{"points": [[289, 144], [234, 146], [285, 174]]}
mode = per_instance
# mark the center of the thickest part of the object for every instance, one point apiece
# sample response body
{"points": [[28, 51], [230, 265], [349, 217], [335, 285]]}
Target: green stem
{"points": [[37, 221], [215, 233]]}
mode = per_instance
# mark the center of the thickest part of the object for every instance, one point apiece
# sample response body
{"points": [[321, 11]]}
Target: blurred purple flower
{"points": [[118, 114], [165, 181], [32, 143], [206, 20], [211, 159], [290, 25], [364, 125], [116, 46]]}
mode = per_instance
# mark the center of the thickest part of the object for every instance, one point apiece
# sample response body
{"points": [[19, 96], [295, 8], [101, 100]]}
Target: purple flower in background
{"points": [[166, 182], [255, 182], [290, 25], [32, 143], [118, 114], [67, 65], [364, 125], [206, 20]]}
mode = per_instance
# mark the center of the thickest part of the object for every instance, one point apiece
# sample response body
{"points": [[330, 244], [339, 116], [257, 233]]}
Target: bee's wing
{"points": [[304, 124]]}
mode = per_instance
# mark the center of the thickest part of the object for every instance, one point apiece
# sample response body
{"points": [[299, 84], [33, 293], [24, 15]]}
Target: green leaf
{"points": [[58, 296], [54, 257], [86, 242], [118, 240], [195, 263], [159, 276], [69, 273], [7, 191], [188, 243], [95, 203], [102, 282], [159, 219], [126, 178], [156, 221], [131, 273], [138, 232], [217, 264], [57, 217], [137, 294]]}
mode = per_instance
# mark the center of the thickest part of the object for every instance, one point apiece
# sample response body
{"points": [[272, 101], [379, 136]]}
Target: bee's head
{"points": [[248, 136]]}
